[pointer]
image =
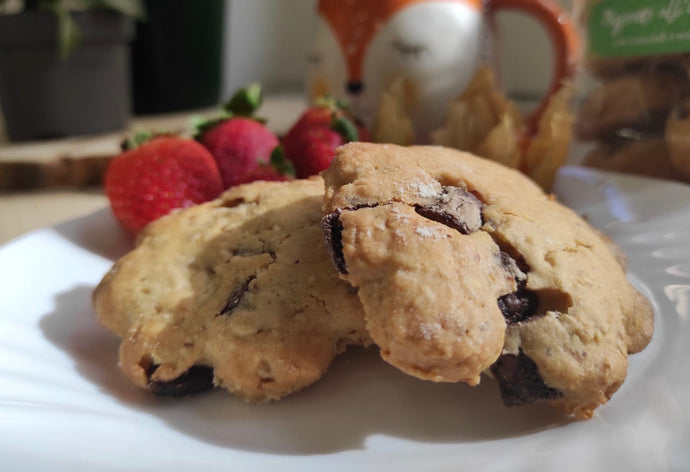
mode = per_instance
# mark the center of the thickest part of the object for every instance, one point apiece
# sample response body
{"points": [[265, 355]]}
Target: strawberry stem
{"points": [[246, 101], [333, 104], [280, 162], [140, 137], [326, 101], [201, 124], [344, 127]]}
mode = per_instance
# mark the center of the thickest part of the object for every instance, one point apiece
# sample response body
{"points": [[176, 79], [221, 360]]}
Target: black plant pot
{"points": [[43, 96]]}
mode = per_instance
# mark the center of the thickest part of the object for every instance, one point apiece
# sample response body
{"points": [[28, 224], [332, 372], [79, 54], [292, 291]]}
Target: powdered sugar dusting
{"points": [[425, 190], [399, 215], [427, 232], [429, 330]]}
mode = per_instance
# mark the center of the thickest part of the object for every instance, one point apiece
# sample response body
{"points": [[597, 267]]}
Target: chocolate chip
{"points": [[234, 202], [524, 304], [456, 208], [516, 267], [520, 382], [333, 232], [521, 304], [236, 297], [197, 379], [518, 306]]}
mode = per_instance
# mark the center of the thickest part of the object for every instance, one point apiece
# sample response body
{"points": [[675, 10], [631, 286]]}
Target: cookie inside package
{"points": [[635, 114]]}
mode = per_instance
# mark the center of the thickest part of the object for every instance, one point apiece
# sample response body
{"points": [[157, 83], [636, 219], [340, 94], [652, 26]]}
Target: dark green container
{"points": [[177, 56]]}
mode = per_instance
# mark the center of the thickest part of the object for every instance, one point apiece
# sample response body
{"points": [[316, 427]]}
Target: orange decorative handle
{"points": [[563, 37]]}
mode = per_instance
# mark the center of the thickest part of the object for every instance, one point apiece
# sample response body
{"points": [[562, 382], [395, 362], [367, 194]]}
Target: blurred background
{"points": [[268, 40], [190, 55]]}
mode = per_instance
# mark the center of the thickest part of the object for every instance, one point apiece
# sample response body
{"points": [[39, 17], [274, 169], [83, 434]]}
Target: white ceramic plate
{"points": [[64, 406]]}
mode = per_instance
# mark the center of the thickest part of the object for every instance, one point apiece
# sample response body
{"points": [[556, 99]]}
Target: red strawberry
{"points": [[324, 113], [364, 134], [241, 144], [279, 169], [313, 117], [328, 117], [162, 174], [266, 172], [240, 147], [315, 150]]}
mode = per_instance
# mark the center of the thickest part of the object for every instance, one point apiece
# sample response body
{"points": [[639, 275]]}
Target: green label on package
{"points": [[639, 27]]}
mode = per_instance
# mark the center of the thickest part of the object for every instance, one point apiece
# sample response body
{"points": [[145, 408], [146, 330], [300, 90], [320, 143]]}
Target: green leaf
{"points": [[140, 137], [345, 127], [202, 124], [281, 163], [246, 101], [69, 35], [326, 101], [342, 105]]}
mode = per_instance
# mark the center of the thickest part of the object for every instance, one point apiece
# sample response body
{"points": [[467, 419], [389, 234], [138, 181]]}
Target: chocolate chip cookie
{"points": [[677, 135], [649, 157], [464, 266], [238, 293]]}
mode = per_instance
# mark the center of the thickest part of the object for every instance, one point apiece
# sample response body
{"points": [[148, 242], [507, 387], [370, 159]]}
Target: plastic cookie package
{"points": [[635, 114]]}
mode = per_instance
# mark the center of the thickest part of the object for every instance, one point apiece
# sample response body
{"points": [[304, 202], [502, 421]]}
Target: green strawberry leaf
{"points": [[246, 101], [201, 124], [342, 105], [345, 128], [281, 163], [326, 101], [333, 104], [139, 137]]}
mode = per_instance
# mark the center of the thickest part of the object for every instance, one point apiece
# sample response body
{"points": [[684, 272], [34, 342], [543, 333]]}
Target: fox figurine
{"points": [[435, 46]]}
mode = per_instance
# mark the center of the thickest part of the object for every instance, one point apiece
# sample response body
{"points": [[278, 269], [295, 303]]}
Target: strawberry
{"points": [[240, 144], [313, 117], [160, 175], [323, 113], [329, 121], [315, 150], [279, 168], [266, 172]]}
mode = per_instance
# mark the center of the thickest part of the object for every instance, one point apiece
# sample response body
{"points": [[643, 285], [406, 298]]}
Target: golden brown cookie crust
{"points": [[413, 323]]}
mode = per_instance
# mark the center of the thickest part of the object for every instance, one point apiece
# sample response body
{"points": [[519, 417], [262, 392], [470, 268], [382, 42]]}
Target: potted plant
{"points": [[64, 66]]}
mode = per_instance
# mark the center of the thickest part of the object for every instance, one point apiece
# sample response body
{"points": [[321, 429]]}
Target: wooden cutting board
{"points": [[76, 161], [81, 161]]}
